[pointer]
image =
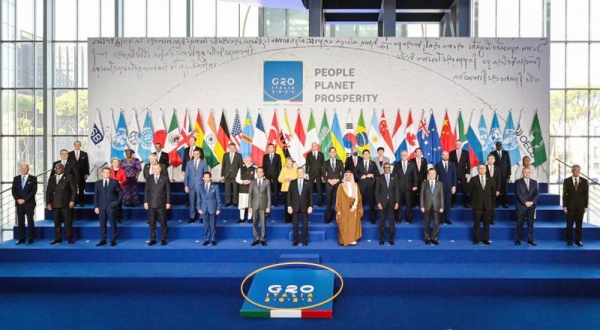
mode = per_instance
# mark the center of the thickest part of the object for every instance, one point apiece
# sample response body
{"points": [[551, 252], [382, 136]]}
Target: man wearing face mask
{"points": [[352, 162]]}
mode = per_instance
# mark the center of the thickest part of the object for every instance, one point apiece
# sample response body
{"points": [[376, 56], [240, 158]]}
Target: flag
{"points": [[410, 142], [312, 135], [423, 138], [199, 130], [398, 137], [537, 143], [447, 140], [459, 131], [236, 131], [495, 133], [246, 137], [325, 136], [160, 133], [474, 145], [349, 139], [212, 158], [509, 140], [297, 143], [336, 137], [201, 141], [98, 148], [185, 133], [362, 138], [384, 132], [173, 139], [146, 146], [434, 142], [285, 136], [119, 141], [259, 142], [374, 136], [273, 137], [223, 135], [133, 136], [484, 139]]}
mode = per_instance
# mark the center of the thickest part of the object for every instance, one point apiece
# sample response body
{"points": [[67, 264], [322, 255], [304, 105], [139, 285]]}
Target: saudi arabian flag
{"points": [[537, 142], [325, 136]]}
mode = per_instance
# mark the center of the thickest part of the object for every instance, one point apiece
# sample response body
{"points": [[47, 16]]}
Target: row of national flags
{"points": [[251, 137]]}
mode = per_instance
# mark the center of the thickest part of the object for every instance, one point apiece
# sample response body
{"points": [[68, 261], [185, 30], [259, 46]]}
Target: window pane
{"points": [[557, 65], [508, 18], [557, 20], [486, 22], [64, 65], [595, 22], [205, 18], [9, 167], [433, 30], [577, 19], [39, 19], [344, 30], [65, 17], [108, 18], [576, 152], [274, 22], [367, 30], [594, 171], [595, 65], [228, 19], [25, 116], [39, 65], [25, 151], [248, 21], [134, 20], [89, 19], [39, 112], [178, 18], [82, 67], [577, 65], [577, 113], [8, 20], [25, 22], [65, 112], [83, 112], [557, 150], [25, 65], [8, 65], [8, 112], [594, 122], [532, 15], [62, 142], [158, 16], [297, 23], [557, 113]]}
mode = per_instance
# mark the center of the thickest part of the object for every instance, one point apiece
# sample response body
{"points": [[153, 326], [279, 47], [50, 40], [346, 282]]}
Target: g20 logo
{"points": [[283, 81], [292, 289]]}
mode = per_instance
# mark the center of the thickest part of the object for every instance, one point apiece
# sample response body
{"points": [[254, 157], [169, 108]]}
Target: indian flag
{"points": [[213, 143]]}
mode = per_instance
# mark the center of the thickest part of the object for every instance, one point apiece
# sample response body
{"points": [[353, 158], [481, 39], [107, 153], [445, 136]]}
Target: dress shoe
{"points": [[570, 243], [435, 242], [56, 241], [452, 205], [227, 204], [486, 242], [30, 241], [398, 222], [448, 222], [101, 243], [250, 221], [392, 243], [409, 222], [304, 244], [191, 220], [517, 243], [327, 221], [340, 244], [80, 204], [492, 223], [380, 242], [531, 242], [120, 221], [113, 243], [152, 242], [19, 242], [468, 205], [163, 242], [579, 243], [214, 243], [240, 221], [71, 241], [505, 206], [201, 221], [263, 243], [205, 243], [373, 222], [475, 242], [295, 244], [254, 243], [427, 242]]}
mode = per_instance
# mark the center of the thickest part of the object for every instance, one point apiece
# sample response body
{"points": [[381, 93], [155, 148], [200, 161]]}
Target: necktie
{"points": [[482, 181], [206, 188], [155, 179], [458, 152], [259, 183], [58, 178], [445, 167], [105, 183], [271, 156], [300, 187], [366, 165], [576, 184], [315, 155], [387, 180], [404, 167], [431, 186], [191, 153], [231, 157], [196, 164], [527, 184], [332, 165], [419, 163], [23, 182], [499, 154], [77, 154], [492, 171]]}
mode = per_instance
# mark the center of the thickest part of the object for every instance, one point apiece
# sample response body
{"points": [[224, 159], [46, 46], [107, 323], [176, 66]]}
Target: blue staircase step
{"points": [[313, 235], [294, 257]]}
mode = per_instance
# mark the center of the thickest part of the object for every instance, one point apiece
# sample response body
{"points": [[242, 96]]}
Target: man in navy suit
{"points": [[81, 160], [209, 206], [462, 162], [406, 175], [157, 194], [24, 188], [272, 165], [188, 155], [446, 174], [107, 196], [386, 197], [195, 168], [503, 164], [482, 191], [333, 172], [60, 199], [366, 171], [527, 193], [300, 203]]}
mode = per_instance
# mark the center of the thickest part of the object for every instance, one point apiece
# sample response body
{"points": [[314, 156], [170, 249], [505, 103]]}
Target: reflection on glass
{"points": [[577, 65], [65, 19]]}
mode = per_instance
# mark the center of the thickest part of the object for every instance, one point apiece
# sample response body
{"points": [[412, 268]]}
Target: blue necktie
{"points": [[300, 188], [22, 182], [431, 186], [387, 180]]}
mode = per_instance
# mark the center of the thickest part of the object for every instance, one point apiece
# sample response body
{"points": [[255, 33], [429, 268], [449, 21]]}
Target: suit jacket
{"points": [[229, 169], [300, 202], [163, 159], [109, 197], [209, 202], [421, 171], [349, 164], [314, 166], [481, 197], [408, 180], [575, 199], [360, 170], [447, 178], [463, 165], [187, 158], [60, 194], [498, 176], [146, 171], [523, 194], [158, 194], [194, 176], [70, 168], [432, 201], [28, 194], [503, 164], [260, 198], [272, 169], [83, 164], [333, 173], [385, 195]]}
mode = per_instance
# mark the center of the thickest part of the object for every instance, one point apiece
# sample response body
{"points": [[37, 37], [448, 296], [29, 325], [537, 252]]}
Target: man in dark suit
{"points": [[333, 171], [259, 197], [192, 179], [406, 175], [386, 197], [314, 169], [421, 166], [503, 165], [366, 172], [527, 194], [69, 166], [495, 176], [24, 188], [352, 162], [161, 156], [300, 203], [230, 165], [107, 196], [80, 158], [188, 154], [147, 171], [157, 200], [447, 176], [272, 166], [60, 199], [432, 201], [209, 206], [482, 191], [462, 163], [575, 204]]}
